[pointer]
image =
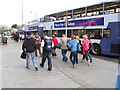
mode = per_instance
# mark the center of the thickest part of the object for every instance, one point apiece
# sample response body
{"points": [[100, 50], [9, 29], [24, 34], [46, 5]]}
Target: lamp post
{"points": [[22, 14], [66, 23]]}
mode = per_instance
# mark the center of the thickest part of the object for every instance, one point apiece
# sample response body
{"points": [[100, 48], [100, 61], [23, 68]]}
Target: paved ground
{"points": [[102, 74]]}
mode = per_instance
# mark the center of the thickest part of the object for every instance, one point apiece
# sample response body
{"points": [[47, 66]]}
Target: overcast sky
{"points": [[11, 10]]}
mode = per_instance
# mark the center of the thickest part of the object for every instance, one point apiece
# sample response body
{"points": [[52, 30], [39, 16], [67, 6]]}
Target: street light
{"points": [[22, 14]]}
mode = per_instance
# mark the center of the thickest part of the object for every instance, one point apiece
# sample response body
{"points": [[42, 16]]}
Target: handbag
{"points": [[23, 55], [83, 51]]}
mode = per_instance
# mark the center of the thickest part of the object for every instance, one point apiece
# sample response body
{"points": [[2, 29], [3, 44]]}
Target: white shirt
{"points": [[42, 44]]}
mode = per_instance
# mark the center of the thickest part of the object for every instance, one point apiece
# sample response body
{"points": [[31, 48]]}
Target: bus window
{"points": [[45, 31], [75, 32], [60, 33], [69, 33], [54, 32], [118, 10], [94, 34], [80, 33], [106, 34]]}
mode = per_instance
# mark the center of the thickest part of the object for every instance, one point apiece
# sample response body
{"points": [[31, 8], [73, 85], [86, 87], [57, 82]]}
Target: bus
{"points": [[100, 22]]}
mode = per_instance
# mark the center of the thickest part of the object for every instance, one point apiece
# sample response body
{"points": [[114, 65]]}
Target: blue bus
{"points": [[100, 22]]}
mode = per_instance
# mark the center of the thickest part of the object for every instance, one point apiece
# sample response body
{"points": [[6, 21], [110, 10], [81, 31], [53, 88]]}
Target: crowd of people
{"points": [[34, 43]]}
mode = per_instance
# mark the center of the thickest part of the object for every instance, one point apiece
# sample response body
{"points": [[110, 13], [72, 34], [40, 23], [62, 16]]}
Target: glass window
{"points": [[54, 32], [45, 31], [75, 32], [106, 33], [60, 33], [94, 34], [118, 10], [69, 33]]}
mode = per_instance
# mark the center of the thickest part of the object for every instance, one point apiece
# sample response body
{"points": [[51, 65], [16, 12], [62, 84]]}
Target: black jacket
{"points": [[29, 44]]}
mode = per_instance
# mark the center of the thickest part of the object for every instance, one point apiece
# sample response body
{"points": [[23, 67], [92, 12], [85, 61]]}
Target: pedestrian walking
{"points": [[38, 43], [29, 46], [47, 51], [4, 40], [85, 48], [16, 37], [64, 48], [55, 42], [78, 40], [75, 47], [90, 47]]}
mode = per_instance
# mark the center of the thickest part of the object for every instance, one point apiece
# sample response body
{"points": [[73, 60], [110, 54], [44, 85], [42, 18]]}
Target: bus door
{"points": [[110, 38]]}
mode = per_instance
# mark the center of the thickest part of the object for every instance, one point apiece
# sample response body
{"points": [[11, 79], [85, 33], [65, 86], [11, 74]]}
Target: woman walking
{"points": [[85, 48], [64, 47], [75, 47]]}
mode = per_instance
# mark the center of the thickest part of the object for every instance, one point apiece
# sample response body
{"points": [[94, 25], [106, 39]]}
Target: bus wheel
{"points": [[96, 49]]}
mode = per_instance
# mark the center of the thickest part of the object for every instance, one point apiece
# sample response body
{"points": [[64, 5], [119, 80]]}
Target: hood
{"points": [[29, 37], [47, 37]]}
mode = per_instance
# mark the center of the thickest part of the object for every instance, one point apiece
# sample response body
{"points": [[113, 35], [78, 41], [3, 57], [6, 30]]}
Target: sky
{"points": [[11, 10]]}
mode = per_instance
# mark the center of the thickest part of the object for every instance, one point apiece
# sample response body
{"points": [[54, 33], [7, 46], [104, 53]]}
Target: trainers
{"points": [[66, 59], [55, 54], [73, 66], [41, 65], [36, 68], [89, 64], [27, 67], [90, 61], [81, 61], [49, 69]]}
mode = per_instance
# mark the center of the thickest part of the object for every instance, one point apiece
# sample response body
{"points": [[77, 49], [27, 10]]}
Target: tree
{"points": [[14, 26], [2, 28], [1, 31]]}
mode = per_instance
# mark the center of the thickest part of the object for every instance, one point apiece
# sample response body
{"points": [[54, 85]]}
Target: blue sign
{"points": [[33, 28]]}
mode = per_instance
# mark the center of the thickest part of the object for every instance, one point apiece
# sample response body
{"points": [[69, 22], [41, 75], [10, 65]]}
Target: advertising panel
{"points": [[32, 28], [81, 23]]}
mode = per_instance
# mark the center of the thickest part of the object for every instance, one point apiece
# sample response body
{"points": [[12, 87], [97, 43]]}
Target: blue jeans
{"points": [[64, 54], [32, 54], [47, 56], [74, 57], [89, 55]]}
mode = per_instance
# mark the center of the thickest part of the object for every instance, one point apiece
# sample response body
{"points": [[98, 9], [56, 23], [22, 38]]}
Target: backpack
{"points": [[78, 47], [48, 45], [38, 42]]}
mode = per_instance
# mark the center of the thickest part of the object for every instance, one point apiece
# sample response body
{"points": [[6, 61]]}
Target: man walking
{"points": [[47, 50], [29, 46], [64, 47]]}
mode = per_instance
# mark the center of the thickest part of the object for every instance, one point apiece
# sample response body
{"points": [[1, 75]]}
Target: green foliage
{"points": [[1, 31], [14, 26]]}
